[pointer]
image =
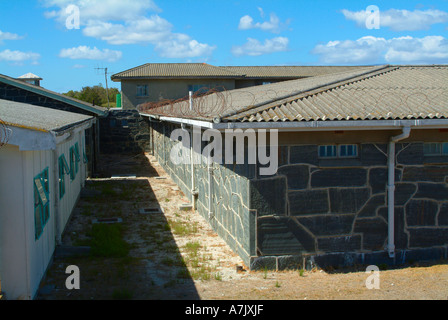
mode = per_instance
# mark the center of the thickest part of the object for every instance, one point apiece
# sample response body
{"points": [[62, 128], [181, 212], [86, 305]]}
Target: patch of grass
{"points": [[193, 247], [301, 272], [108, 190], [122, 294], [218, 276], [181, 228], [107, 241], [183, 274], [383, 266], [277, 284]]}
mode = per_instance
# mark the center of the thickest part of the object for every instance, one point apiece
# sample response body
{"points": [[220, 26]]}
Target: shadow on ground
{"points": [[121, 240]]}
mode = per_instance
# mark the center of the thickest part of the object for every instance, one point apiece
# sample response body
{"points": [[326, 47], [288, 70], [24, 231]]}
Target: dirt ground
{"points": [[174, 254]]}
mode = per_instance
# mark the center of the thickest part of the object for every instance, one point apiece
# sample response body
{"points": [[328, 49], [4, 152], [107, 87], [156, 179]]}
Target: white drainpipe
{"points": [[391, 189]]}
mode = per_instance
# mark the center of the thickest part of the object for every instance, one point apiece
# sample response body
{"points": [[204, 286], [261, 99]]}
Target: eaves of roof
{"points": [[176, 71], [99, 111]]}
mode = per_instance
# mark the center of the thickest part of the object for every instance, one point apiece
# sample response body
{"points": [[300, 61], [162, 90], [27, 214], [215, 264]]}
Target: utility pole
{"points": [[107, 89]]}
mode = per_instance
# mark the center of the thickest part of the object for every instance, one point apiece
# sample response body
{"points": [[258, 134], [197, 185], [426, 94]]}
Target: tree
{"points": [[95, 95]]}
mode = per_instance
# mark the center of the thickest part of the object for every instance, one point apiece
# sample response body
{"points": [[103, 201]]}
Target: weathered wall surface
{"points": [[12, 93], [336, 210], [328, 211], [227, 186], [125, 132], [170, 89]]}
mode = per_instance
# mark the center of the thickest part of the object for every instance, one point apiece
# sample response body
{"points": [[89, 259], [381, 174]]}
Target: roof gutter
{"points": [[308, 125]]}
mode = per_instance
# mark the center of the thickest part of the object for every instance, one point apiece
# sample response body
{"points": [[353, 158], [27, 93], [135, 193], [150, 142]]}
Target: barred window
{"points": [[338, 151]]}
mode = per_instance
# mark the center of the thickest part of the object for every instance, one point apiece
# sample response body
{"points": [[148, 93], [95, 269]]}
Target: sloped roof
{"points": [[396, 93], [384, 92], [100, 111], [271, 72], [175, 70], [203, 70], [23, 115]]}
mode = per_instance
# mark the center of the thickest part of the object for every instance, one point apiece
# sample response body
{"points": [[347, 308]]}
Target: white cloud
{"points": [[127, 22], [145, 30], [254, 47], [372, 50], [9, 36], [182, 46], [274, 24], [110, 10], [79, 66], [401, 20], [84, 52], [18, 56]]}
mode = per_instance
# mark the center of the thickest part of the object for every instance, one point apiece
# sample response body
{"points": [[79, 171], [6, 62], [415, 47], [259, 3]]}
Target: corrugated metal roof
{"points": [[190, 70], [271, 72], [53, 95], [371, 93], [176, 70], [32, 117], [413, 92], [224, 104]]}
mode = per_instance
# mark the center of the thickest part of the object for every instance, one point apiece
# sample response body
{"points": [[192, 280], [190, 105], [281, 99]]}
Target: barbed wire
{"points": [[5, 134], [342, 102]]}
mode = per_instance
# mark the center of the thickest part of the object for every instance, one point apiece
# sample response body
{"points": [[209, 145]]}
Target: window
{"points": [[340, 151], [348, 150], [77, 157], [327, 152], [198, 88], [74, 161], [41, 202], [142, 90], [63, 170], [435, 149]]}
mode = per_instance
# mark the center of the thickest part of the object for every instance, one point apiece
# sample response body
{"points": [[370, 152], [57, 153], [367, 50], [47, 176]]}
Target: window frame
{"points": [[41, 188], [336, 153], [440, 146], [63, 170], [142, 90]]}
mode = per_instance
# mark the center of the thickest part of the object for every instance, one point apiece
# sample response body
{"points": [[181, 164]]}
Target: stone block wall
{"points": [[124, 132], [335, 211], [326, 211], [227, 186]]}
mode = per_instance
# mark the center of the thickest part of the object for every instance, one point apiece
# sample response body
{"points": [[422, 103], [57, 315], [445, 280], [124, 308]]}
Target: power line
{"points": [[107, 88]]}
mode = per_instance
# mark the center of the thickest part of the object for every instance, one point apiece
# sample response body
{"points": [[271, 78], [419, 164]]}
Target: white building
{"points": [[42, 169]]}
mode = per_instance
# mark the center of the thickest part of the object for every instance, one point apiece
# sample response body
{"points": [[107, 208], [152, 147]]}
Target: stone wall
{"points": [[321, 211], [229, 214], [124, 132], [335, 211]]}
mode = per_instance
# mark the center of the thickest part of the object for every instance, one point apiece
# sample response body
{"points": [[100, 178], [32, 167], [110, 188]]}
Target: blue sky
{"points": [[45, 38]]}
